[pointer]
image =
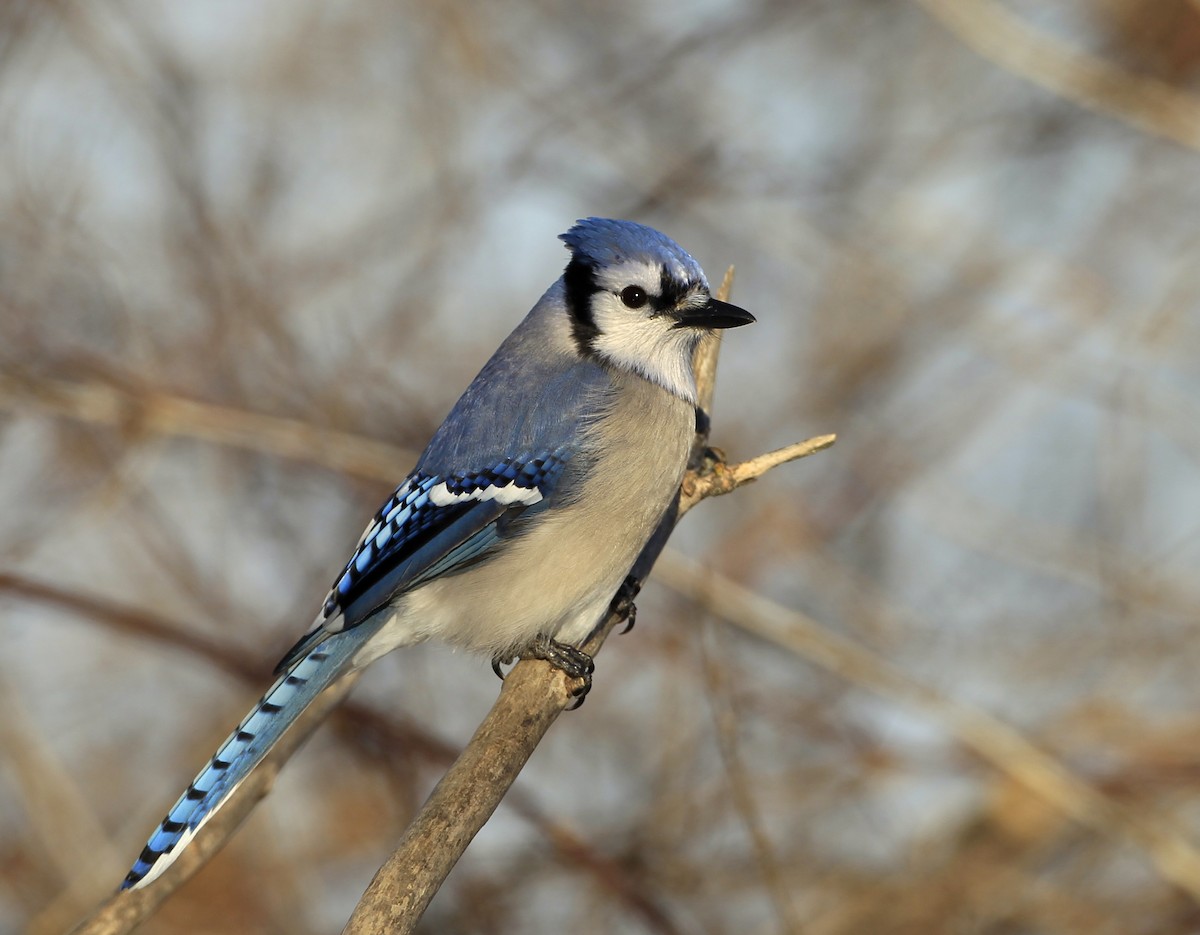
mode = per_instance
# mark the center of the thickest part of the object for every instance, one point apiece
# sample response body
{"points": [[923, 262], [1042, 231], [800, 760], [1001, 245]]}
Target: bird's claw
{"points": [[623, 605], [573, 661], [630, 619], [712, 457]]}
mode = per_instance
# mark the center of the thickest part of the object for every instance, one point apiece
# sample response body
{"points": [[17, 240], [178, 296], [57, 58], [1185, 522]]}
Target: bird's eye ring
{"points": [[634, 296]]}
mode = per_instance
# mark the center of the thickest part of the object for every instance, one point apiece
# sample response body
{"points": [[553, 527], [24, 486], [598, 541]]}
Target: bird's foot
{"points": [[711, 458], [574, 662], [623, 605]]}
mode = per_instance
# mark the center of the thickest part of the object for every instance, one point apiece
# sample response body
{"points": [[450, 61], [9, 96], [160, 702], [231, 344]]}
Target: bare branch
{"points": [[533, 696], [720, 478]]}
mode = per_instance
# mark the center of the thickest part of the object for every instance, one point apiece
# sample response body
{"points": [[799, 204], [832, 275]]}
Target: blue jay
{"points": [[527, 510]]}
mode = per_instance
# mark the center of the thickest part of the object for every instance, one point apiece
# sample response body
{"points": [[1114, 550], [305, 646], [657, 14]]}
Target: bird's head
{"points": [[639, 302]]}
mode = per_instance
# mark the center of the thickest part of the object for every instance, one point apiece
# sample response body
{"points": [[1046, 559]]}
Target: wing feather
{"points": [[433, 525]]}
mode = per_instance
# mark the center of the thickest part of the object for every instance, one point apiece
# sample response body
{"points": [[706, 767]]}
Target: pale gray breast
{"points": [[558, 574], [640, 449]]}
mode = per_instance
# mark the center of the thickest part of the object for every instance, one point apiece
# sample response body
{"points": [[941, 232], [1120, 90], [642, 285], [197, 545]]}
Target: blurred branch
{"points": [[154, 412], [533, 696], [1001, 745], [363, 724], [131, 621], [725, 723], [69, 837], [127, 909], [1091, 82]]}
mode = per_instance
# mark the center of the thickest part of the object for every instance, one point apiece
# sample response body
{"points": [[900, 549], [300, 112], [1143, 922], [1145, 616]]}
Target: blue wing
{"points": [[508, 450], [435, 525]]}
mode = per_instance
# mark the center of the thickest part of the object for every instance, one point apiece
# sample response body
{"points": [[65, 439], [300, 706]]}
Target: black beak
{"points": [[716, 314]]}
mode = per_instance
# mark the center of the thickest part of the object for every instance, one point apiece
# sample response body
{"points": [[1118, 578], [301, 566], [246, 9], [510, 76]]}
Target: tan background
{"points": [[969, 231]]}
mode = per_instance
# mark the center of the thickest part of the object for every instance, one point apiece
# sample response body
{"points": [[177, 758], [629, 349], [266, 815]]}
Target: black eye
{"points": [[634, 296]]}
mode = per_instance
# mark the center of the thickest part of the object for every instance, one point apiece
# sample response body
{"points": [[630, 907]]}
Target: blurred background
{"points": [[251, 253]]}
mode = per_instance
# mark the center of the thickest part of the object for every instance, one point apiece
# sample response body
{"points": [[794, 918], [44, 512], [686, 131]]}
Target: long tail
{"points": [[245, 748]]}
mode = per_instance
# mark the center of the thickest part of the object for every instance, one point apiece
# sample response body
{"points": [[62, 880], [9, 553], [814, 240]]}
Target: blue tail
{"points": [[245, 748]]}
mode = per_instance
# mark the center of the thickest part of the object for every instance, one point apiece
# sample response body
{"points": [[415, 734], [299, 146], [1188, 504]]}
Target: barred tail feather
{"points": [[245, 748]]}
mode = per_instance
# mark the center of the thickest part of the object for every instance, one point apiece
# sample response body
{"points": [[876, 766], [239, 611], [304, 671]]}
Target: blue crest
{"points": [[600, 242]]}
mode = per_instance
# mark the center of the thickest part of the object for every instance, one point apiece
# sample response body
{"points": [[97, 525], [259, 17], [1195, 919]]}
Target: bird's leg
{"points": [[623, 605]]}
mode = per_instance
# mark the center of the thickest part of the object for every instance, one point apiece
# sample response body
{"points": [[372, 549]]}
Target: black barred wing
{"points": [[431, 526]]}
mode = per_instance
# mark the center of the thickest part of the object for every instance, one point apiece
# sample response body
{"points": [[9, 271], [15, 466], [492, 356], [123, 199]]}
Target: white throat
{"points": [[651, 348]]}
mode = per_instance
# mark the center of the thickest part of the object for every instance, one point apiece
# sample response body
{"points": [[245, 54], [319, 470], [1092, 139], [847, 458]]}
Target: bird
{"points": [[526, 511]]}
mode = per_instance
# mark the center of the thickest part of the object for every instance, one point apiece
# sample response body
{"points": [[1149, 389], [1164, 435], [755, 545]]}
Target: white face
{"points": [[638, 334]]}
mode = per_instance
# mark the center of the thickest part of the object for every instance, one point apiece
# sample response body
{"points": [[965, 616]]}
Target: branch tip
{"points": [[721, 478]]}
